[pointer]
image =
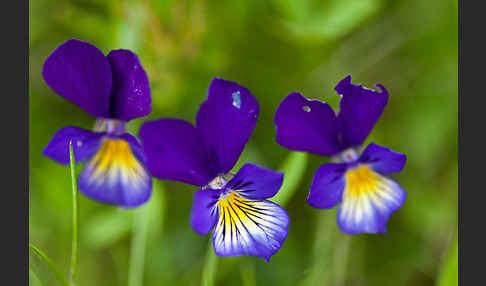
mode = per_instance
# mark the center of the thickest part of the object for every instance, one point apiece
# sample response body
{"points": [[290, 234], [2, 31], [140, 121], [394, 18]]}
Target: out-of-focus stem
{"points": [[209, 270]]}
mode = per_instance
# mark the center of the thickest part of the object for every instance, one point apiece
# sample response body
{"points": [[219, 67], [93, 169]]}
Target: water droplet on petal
{"points": [[236, 99], [79, 143], [306, 108]]}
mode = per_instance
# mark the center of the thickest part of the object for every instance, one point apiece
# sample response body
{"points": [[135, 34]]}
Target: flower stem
{"points": [[321, 272], [73, 269], [59, 275], [208, 275], [247, 269], [341, 255], [137, 252]]}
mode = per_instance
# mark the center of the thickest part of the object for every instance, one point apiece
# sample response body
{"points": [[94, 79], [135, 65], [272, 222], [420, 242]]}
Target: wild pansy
{"points": [[114, 89], [235, 205], [367, 197]]}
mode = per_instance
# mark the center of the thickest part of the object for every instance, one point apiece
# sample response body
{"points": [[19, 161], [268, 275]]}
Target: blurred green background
{"points": [[272, 48]]}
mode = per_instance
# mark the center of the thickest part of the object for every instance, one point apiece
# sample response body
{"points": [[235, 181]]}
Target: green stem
{"points": [[137, 252], [321, 272], [209, 270], [247, 269], [341, 254], [59, 275], [73, 269]]}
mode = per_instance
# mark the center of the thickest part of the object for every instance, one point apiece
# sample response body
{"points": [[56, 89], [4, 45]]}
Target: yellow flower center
{"points": [[114, 152], [361, 180]]}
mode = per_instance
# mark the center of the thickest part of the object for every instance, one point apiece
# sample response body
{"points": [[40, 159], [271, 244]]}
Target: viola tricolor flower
{"points": [[367, 196], [235, 206], [114, 89]]}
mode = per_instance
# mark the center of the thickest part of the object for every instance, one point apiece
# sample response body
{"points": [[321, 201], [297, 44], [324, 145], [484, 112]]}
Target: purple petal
{"points": [[255, 182], [327, 186], [383, 160], [204, 213], [85, 144], [368, 201], [175, 151], [306, 125], [226, 120], [249, 227], [79, 72], [360, 108], [131, 89], [114, 175]]}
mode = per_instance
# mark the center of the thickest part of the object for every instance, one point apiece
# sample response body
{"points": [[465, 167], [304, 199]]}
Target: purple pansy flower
{"points": [[367, 197], [235, 206], [114, 89]]}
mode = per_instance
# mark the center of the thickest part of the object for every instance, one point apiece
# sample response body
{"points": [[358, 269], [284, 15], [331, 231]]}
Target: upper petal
{"points": [[204, 213], [226, 120], [249, 227], [360, 108], [116, 175], [306, 125], [382, 159], [327, 186], [79, 72], [175, 151], [130, 95], [85, 144], [255, 182]]}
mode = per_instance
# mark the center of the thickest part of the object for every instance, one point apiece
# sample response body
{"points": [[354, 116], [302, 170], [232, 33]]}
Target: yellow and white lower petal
{"points": [[368, 201], [249, 227], [115, 175]]}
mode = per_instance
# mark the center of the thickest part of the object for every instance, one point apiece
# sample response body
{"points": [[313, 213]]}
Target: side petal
{"points": [[249, 227], [327, 186], [115, 175], [255, 182], [226, 120], [306, 125], [79, 72], [204, 213], [383, 160], [85, 144], [368, 201], [175, 151], [360, 108], [130, 95]]}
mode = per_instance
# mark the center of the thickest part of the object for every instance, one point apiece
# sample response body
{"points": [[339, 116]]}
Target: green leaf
{"points": [[34, 280], [448, 274], [318, 21], [293, 168], [46, 268]]}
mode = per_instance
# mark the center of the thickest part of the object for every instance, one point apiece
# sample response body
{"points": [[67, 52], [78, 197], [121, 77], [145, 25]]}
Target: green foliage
{"points": [[42, 268], [448, 275], [273, 48], [294, 168]]}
